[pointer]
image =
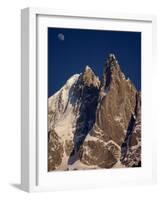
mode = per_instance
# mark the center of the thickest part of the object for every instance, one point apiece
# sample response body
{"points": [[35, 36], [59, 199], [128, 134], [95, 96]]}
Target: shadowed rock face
{"points": [[95, 123], [87, 93]]}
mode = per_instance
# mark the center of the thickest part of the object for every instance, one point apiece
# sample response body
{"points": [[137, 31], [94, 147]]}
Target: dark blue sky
{"points": [[70, 50]]}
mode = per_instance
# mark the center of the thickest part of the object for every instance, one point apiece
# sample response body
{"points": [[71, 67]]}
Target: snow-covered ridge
{"points": [[63, 93], [65, 114], [61, 116]]}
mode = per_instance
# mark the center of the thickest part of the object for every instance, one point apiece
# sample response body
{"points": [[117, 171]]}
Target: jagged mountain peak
{"points": [[88, 72], [93, 124], [89, 78], [111, 60], [113, 74], [111, 64], [87, 68], [111, 67]]}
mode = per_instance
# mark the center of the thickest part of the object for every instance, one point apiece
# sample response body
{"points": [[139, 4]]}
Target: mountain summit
{"points": [[89, 77], [95, 123]]}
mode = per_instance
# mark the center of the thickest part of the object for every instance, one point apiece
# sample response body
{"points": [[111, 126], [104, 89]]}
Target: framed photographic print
{"points": [[86, 101]]}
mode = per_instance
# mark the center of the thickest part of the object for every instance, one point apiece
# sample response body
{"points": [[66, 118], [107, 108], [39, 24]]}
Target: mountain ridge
{"points": [[89, 120]]}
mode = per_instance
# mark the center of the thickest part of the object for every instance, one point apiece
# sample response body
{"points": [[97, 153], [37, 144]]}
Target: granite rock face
{"points": [[93, 123], [55, 152], [131, 148], [115, 108]]}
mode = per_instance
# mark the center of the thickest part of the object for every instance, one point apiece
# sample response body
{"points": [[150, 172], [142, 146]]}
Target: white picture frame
{"points": [[33, 175]]}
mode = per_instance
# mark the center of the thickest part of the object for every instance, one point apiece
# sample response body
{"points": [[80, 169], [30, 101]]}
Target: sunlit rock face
{"points": [[118, 99], [95, 123], [55, 152]]}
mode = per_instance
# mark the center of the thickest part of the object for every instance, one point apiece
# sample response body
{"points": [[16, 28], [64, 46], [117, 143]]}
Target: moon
{"points": [[61, 37]]}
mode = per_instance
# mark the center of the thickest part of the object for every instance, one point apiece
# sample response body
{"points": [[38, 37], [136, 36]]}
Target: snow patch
{"points": [[72, 80], [79, 165], [117, 118], [87, 68]]}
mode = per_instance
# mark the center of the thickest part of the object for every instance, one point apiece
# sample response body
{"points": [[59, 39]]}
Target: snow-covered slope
{"points": [[62, 119], [70, 116], [60, 104]]}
